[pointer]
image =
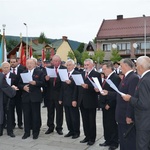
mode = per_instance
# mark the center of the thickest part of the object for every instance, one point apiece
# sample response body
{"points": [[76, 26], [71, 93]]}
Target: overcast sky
{"points": [[77, 19]]}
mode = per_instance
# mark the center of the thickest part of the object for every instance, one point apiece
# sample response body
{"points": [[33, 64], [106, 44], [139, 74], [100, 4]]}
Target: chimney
{"points": [[119, 17], [64, 38]]}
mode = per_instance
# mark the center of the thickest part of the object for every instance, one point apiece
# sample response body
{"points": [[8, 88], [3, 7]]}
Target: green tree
{"points": [[10, 44], [115, 57], [47, 55], [81, 48], [98, 56], [71, 55], [84, 56], [35, 55], [77, 54], [94, 40], [42, 38]]}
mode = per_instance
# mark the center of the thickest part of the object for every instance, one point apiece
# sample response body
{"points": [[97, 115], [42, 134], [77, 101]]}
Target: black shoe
{"points": [[11, 134], [84, 140], [90, 143], [60, 132], [25, 136], [75, 136], [104, 144], [113, 147], [35, 136], [20, 127], [68, 134], [48, 131]]}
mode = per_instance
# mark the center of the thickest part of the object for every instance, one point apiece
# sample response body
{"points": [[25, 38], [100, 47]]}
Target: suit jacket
{"points": [[123, 108], [34, 94], [141, 103], [110, 99], [88, 97], [68, 92], [4, 89], [53, 92]]}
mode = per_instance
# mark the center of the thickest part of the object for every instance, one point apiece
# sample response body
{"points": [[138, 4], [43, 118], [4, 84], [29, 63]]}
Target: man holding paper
{"points": [[109, 106], [8, 103], [124, 111], [88, 102], [53, 92], [68, 97], [31, 99]]}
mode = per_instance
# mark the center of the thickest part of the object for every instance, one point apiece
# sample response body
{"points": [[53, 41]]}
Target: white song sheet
{"points": [[95, 79], [78, 79], [26, 77], [63, 74], [113, 86], [51, 72]]}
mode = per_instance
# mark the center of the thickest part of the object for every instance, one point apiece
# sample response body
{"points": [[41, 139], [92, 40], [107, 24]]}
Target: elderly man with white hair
{"points": [[141, 103]]}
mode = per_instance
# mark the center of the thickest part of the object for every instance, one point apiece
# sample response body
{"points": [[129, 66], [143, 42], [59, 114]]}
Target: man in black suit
{"points": [[88, 102], [53, 92], [108, 99], [141, 103], [68, 98], [124, 111], [17, 68], [31, 99], [5, 90], [8, 102]]}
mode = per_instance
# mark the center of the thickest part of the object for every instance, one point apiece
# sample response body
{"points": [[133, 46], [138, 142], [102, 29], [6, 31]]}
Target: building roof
{"points": [[124, 27]]}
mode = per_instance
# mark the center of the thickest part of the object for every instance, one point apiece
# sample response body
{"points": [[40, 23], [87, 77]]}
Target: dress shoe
{"points": [[68, 134], [20, 127], [75, 136], [11, 134], [35, 136], [104, 144], [48, 131], [60, 132], [112, 147], [25, 136], [84, 140], [90, 143]]}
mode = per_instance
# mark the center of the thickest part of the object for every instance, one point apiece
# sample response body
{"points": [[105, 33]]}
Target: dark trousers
{"points": [[128, 143], [32, 117], [18, 107], [143, 140], [53, 105], [72, 119], [89, 122], [8, 117], [110, 127]]}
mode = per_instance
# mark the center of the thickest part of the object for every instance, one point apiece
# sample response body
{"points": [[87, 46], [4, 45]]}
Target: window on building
{"points": [[123, 46], [106, 47], [142, 45]]}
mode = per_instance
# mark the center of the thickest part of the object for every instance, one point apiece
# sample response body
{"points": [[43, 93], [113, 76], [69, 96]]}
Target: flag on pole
{"points": [[43, 55], [23, 57], [3, 51], [30, 52], [19, 51]]}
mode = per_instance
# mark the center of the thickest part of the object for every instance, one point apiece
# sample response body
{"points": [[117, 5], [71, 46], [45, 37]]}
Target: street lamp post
{"points": [[26, 40], [144, 35]]}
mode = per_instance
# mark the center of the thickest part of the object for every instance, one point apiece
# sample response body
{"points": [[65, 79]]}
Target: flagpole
{"points": [[27, 54], [4, 25]]}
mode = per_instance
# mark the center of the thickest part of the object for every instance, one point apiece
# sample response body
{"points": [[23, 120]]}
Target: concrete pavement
{"points": [[52, 141]]}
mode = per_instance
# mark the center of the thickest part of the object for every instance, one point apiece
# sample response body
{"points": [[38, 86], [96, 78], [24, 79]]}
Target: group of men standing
{"points": [[122, 120]]}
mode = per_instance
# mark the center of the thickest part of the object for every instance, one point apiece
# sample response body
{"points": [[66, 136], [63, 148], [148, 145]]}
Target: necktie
{"points": [[14, 70], [5, 75], [68, 74], [104, 82], [54, 82], [86, 75]]}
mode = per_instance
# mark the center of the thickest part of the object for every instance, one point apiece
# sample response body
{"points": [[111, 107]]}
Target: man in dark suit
{"points": [[68, 98], [109, 107], [53, 92], [5, 89], [141, 103], [88, 102], [31, 99], [17, 68], [8, 102], [124, 111]]}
